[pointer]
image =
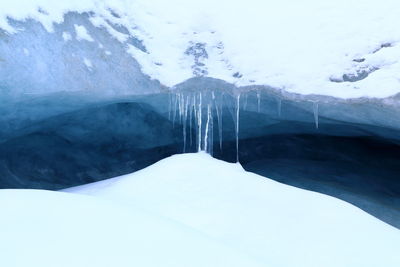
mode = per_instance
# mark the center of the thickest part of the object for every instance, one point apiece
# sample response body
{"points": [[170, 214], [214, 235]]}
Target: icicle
{"points": [[245, 103], [186, 107], [237, 126], [219, 119], [279, 107], [169, 106], [258, 101], [175, 106], [191, 119], [195, 106], [212, 124], [195, 118], [316, 117], [181, 107], [184, 135], [212, 134], [220, 129], [199, 124], [206, 133]]}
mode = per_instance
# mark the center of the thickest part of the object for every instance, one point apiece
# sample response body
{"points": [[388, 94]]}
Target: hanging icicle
{"points": [[211, 129], [237, 126], [199, 119], [181, 107], [169, 105], [207, 130], [192, 104], [258, 102], [184, 124], [221, 126], [175, 109], [219, 120]]}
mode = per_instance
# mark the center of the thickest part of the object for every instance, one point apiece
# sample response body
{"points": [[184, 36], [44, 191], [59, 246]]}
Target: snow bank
{"points": [[343, 48], [47, 229], [278, 225]]}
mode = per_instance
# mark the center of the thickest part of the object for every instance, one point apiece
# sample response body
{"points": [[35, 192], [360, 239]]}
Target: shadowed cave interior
{"points": [[357, 163]]}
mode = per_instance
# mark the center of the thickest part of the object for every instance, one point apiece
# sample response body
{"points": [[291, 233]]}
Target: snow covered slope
{"points": [[278, 225], [343, 48], [47, 229]]}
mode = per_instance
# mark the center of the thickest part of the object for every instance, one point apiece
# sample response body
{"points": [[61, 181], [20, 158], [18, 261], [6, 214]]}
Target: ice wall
{"points": [[75, 57], [89, 55]]}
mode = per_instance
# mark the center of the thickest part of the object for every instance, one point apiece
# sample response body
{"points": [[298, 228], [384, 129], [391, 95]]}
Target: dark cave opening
{"points": [[361, 170], [356, 163]]}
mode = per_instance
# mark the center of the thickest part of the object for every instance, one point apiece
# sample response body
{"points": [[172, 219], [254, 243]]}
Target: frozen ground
{"points": [[342, 48], [276, 224]]}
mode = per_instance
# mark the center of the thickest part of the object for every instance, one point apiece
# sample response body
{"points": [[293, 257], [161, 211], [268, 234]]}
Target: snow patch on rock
{"points": [[82, 33]]}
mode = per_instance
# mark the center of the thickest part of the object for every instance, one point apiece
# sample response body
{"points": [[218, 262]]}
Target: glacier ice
{"points": [[237, 123], [104, 79]]}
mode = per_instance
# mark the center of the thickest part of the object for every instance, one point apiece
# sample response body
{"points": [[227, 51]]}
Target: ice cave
{"points": [[305, 95]]}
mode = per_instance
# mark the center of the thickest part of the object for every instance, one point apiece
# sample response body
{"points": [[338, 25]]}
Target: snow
{"points": [[88, 63], [276, 224], [299, 46], [66, 36], [189, 210], [82, 34], [47, 229]]}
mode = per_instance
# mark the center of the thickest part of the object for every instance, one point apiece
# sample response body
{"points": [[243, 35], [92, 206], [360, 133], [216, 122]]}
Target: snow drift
{"points": [[43, 228], [277, 224]]}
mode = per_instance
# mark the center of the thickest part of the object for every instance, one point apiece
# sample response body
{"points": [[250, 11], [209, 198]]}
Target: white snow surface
{"points": [[295, 45], [47, 229], [82, 33], [66, 36], [275, 224], [88, 63]]}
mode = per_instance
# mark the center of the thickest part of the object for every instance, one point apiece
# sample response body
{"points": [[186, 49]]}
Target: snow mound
{"points": [[342, 48], [47, 229], [278, 225]]}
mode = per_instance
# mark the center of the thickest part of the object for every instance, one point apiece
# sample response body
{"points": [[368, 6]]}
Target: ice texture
{"points": [[75, 57], [307, 47]]}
